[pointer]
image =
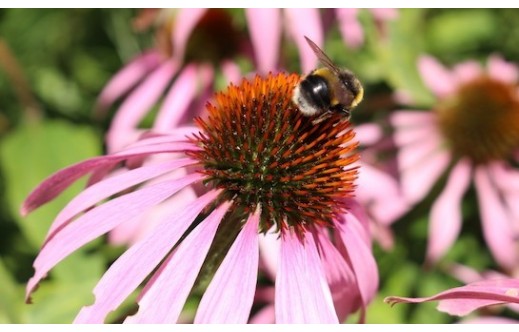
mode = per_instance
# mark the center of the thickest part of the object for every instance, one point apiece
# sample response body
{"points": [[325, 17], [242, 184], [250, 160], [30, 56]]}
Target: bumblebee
{"points": [[328, 89]]}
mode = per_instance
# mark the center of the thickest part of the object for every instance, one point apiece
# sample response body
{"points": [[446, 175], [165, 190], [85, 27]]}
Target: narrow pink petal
{"points": [[496, 221], [350, 27], [129, 270], [412, 118], [59, 181], [505, 176], [467, 71], [507, 183], [340, 277], [156, 137], [178, 201], [232, 72], [185, 22], [421, 169], [360, 256], [417, 134], [381, 195], [111, 186], [266, 315], [126, 78], [358, 213], [180, 95], [445, 219], [464, 273], [384, 14], [302, 293], [168, 147], [265, 32], [135, 107], [163, 301], [305, 22], [100, 220], [368, 133], [229, 297], [436, 77], [461, 301], [502, 70]]}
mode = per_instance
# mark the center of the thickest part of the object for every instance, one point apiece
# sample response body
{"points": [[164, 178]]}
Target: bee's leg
{"points": [[347, 114], [322, 117]]}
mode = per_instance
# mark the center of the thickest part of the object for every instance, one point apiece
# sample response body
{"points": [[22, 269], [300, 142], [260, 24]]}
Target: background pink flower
{"points": [[469, 134]]}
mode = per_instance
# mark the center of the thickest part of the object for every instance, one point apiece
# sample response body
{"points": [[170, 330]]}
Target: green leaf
{"points": [[10, 295], [460, 30], [59, 300], [399, 283], [31, 153]]}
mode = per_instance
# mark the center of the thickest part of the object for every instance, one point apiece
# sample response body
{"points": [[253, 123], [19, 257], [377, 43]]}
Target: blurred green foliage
{"points": [[65, 57]]}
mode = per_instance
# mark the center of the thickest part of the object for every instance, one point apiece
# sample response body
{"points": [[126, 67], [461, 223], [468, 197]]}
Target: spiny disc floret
{"points": [[261, 150]]}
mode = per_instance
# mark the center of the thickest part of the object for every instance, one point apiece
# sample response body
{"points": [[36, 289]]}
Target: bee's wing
{"points": [[323, 58]]}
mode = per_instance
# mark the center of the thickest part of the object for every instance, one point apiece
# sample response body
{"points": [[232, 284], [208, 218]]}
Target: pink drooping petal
{"points": [[368, 134], [303, 22], [461, 301], [163, 301], [126, 78], [179, 134], [129, 270], [302, 293], [445, 219], [507, 183], [421, 165], [265, 32], [350, 27], [59, 181], [185, 22], [269, 252], [340, 277], [467, 71], [381, 195], [464, 273], [135, 107], [232, 72], [505, 177], [411, 119], [496, 221], [357, 212], [501, 70], [360, 256], [436, 77], [416, 135], [100, 220], [111, 186], [384, 14], [229, 297], [266, 315], [180, 95]]}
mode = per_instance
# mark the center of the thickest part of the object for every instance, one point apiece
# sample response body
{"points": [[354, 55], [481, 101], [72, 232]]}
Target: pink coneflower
{"points": [[463, 300], [267, 171], [176, 76], [472, 133]]}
